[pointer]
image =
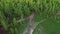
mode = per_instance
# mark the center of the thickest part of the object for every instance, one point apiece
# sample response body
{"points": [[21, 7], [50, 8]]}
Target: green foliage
{"points": [[50, 26], [13, 10]]}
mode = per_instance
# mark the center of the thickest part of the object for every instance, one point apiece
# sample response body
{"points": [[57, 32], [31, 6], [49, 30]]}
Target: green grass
{"points": [[13, 10], [23, 26], [50, 26]]}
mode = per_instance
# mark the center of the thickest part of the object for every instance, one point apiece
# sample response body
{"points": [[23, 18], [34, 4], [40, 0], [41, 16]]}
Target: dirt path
{"points": [[31, 27]]}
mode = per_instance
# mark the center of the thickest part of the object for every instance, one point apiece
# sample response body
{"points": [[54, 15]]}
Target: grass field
{"points": [[19, 16], [50, 26]]}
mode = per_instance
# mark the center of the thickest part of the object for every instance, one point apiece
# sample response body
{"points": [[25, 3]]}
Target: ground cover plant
{"points": [[14, 16]]}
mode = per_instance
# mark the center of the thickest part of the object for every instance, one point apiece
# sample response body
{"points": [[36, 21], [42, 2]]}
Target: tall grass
{"points": [[13, 10]]}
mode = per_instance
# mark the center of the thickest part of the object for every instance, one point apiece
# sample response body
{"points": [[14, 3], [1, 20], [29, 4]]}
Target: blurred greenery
{"points": [[50, 26], [13, 10]]}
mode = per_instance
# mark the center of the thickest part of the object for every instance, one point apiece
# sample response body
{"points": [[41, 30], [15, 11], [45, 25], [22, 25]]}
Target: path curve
{"points": [[30, 28]]}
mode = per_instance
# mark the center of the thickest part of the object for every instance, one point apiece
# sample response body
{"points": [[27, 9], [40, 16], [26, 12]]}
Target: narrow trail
{"points": [[32, 26]]}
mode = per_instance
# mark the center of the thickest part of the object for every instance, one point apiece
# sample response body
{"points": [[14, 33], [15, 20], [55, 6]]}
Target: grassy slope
{"points": [[51, 26]]}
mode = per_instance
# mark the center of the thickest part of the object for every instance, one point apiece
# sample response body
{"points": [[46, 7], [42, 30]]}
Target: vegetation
{"points": [[13, 10]]}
